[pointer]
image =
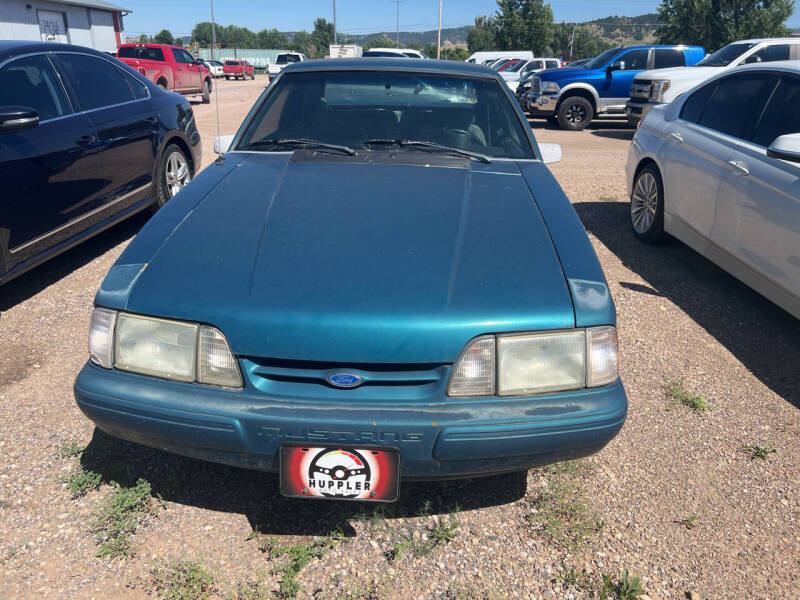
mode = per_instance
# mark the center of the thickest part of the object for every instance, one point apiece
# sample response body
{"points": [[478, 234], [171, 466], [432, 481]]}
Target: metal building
{"points": [[93, 23]]}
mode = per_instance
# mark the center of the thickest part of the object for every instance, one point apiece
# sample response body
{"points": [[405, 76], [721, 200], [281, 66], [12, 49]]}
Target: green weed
{"points": [[69, 450], [119, 516], [689, 522], [762, 450], [299, 555], [678, 393], [80, 481], [182, 580]]}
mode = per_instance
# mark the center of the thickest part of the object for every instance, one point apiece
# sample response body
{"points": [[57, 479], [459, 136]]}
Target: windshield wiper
{"points": [[297, 143], [429, 146]]}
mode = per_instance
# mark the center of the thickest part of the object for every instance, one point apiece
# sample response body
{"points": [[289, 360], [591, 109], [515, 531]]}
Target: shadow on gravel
{"points": [[38, 278], [759, 334], [611, 128], [256, 494]]}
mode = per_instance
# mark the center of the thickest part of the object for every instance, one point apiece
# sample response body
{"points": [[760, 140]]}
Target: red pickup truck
{"points": [[238, 68], [171, 67]]}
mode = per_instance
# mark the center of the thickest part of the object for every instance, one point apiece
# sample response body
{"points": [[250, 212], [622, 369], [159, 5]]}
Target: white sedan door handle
{"points": [[738, 167], [676, 137]]}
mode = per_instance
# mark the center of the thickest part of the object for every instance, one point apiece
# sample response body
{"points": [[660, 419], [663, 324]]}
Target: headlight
{"points": [[549, 87], [657, 89], [536, 363], [165, 348]]}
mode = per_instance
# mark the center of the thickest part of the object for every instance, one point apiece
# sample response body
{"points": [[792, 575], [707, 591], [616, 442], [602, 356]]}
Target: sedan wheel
{"points": [[647, 205], [177, 173]]}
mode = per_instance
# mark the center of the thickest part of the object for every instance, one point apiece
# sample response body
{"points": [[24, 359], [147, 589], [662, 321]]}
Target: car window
{"points": [[775, 52], [182, 56], [96, 82], [32, 82], [351, 107], [635, 60], [141, 52], [137, 87], [601, 59], [694, 106], [737, 102], [725, 56], [665, 58], [780, 115], [552, 64]]}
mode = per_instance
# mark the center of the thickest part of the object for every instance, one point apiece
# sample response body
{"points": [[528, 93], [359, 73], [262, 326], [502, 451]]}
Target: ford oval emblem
{"points": [[345, 380]]}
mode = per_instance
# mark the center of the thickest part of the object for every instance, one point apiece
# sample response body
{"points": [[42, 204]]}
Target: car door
{"points": [[701, 141], [758, 211], [50, 175], [189, 76], [619, 76], [125, 120]]}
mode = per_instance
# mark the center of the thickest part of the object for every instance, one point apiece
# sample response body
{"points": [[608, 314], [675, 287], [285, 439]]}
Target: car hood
{"points": [[557, 74], [334, 259], [680, 74]]}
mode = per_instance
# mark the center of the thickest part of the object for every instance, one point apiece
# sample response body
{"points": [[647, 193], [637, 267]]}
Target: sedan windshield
{"points": [[725, 56], [356, 108], [601, 59]]}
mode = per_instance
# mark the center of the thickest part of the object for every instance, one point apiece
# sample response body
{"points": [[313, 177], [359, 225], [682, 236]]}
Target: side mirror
{"points": [[618, 65], [786, 147], [17, 118], [222, 143], [198, 61], [551, 153]]}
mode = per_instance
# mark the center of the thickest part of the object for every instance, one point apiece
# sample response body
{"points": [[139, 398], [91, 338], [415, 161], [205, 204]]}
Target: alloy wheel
{"points": [[177, 173], [644, 202], [575, 114]]}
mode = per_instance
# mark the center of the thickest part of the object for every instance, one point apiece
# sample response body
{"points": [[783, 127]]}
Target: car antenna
{"points": [[213, 45]]}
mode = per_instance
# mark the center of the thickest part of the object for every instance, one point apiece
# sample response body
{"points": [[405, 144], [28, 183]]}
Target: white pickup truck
{"points": [[283, 59], [661, 86]]}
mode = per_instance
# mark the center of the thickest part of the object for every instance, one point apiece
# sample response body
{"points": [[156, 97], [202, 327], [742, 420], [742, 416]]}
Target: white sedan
{"points": [[719, 169]]}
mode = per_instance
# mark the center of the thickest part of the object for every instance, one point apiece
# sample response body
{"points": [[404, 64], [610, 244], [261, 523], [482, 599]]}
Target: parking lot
{"points": [[681, 498]]}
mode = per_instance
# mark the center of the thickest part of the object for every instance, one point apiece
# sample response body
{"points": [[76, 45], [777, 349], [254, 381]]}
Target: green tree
{"points": [[482, 36], [715, 23], [202, 33], [144, 38], [163, 37], [272, 39], [240, 37], [303, 42], [587, 41], [379, 42], [524, 25], [322, 36]]}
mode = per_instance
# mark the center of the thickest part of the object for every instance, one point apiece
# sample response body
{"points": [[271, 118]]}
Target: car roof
{"points": [[10, 48], [789, 66], [455, 67], [783, 40]]}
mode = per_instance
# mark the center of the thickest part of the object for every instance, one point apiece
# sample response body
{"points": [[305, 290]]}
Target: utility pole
{"points": [[335, 39], [439, 35], [213, 31], [571, 40], [397, 30]]}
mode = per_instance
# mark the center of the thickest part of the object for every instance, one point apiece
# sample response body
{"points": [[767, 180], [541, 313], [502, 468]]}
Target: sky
{"points": [[353, 16]]}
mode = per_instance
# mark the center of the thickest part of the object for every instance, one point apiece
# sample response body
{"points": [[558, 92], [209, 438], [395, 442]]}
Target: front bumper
{"points": [[539, 105], [636, 111], [442, 440]]}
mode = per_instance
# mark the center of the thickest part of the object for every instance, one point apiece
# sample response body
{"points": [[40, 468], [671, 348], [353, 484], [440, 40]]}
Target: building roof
{"points": [[102, 4]]}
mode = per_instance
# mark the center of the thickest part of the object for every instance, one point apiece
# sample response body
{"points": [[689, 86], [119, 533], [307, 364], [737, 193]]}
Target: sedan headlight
{"points": [[657, 89], [549, 87], [535, 363], [165, 348]]}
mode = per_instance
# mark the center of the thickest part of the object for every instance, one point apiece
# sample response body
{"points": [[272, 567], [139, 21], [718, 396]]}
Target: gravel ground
{"points": [[675, 498]]}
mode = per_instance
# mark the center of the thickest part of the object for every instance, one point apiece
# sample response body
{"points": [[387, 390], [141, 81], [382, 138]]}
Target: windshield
{"points": [[516, 67], [349, 108], [725, 56], [284, 59], [601, 59]]}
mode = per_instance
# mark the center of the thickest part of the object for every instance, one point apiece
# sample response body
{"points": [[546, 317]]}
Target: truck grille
{"points": [[309, 379], [641, 89]]}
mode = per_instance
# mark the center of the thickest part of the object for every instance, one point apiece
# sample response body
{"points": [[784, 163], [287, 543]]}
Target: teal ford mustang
{"points": [[378, 280]]}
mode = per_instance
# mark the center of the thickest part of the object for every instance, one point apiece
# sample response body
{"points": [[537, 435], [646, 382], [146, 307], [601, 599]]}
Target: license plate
{"points": [[340, 473]]}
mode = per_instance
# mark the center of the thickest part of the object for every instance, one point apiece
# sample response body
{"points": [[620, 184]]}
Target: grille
{"points": [[641, 89], [309, 379]]}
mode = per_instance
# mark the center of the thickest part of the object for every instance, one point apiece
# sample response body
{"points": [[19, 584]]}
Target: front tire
{"points": [[227, 77], [647, 205], [206, 92], [575, 113], [173, 174]]}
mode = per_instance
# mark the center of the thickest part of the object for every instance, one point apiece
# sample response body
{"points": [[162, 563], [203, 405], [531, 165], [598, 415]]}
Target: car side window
{"points": [[96, 82], [137, 87], [32, 82], [694, 106], [552, 64], [769, 54], [780, 115], [665, 58], [737, 103], [634, 60], [182, 56]]}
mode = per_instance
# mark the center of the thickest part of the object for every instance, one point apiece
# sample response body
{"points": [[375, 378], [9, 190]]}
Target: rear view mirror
{"points": [[17, 118], [222, 143], [551, 153], [786, 147]]}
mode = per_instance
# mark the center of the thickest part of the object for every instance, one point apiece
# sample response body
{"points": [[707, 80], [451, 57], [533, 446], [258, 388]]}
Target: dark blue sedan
{"points": [[84, 143], [379, 280]]}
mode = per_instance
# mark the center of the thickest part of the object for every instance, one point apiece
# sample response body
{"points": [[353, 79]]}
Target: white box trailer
{"points": [[345, 51], [480, 57]]}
